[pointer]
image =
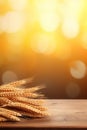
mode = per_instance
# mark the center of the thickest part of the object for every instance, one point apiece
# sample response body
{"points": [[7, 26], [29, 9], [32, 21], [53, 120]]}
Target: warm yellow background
{"points": [[47, 39]]}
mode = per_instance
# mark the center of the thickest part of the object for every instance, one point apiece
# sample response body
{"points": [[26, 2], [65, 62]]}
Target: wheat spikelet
{"points": [[18, 83], [36, 102], [18, 93], [23, 107], [14, 89], [33, 89], [21, 82], [4, 101], [14, 113], [9, 117], [26, 108], [8, 89]]}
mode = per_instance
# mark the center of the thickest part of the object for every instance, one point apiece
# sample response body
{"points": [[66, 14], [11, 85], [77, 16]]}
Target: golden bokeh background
{"points": [[46, 39]]}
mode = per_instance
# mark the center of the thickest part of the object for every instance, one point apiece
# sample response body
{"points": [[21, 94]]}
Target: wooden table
{"points": [[64, 114]]}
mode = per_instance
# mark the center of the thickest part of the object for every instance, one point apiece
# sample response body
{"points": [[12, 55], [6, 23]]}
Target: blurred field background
{"points": [[46, 39]]}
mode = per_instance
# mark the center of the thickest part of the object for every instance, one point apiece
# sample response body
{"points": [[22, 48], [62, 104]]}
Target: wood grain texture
{"points": [[64, 114]]}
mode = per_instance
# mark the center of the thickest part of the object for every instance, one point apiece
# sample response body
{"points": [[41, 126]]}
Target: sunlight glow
{"points": [[70, 28], [43, 44], [18, 4], [49, 22], [12, 22], [47, 14], [43, 6], [72, 8]]}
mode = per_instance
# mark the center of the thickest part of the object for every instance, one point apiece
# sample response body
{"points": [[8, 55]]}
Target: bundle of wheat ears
{"points": [[17, 102]]}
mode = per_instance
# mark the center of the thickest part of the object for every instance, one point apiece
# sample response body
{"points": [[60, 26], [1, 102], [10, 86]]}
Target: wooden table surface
{"points": [[64, 114]]}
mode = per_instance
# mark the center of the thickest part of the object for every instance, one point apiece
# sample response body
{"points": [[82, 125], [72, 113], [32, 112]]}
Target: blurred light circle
{"points": [[43, 44], [73, 90], [49, 21], [12, 22], [74, 7], [45, 5], [70, 28], [78, 69], [18, 4], [9, 76]]}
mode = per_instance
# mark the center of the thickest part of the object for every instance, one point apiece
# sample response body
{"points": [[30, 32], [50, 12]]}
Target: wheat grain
{"points": [[9, 117]]}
